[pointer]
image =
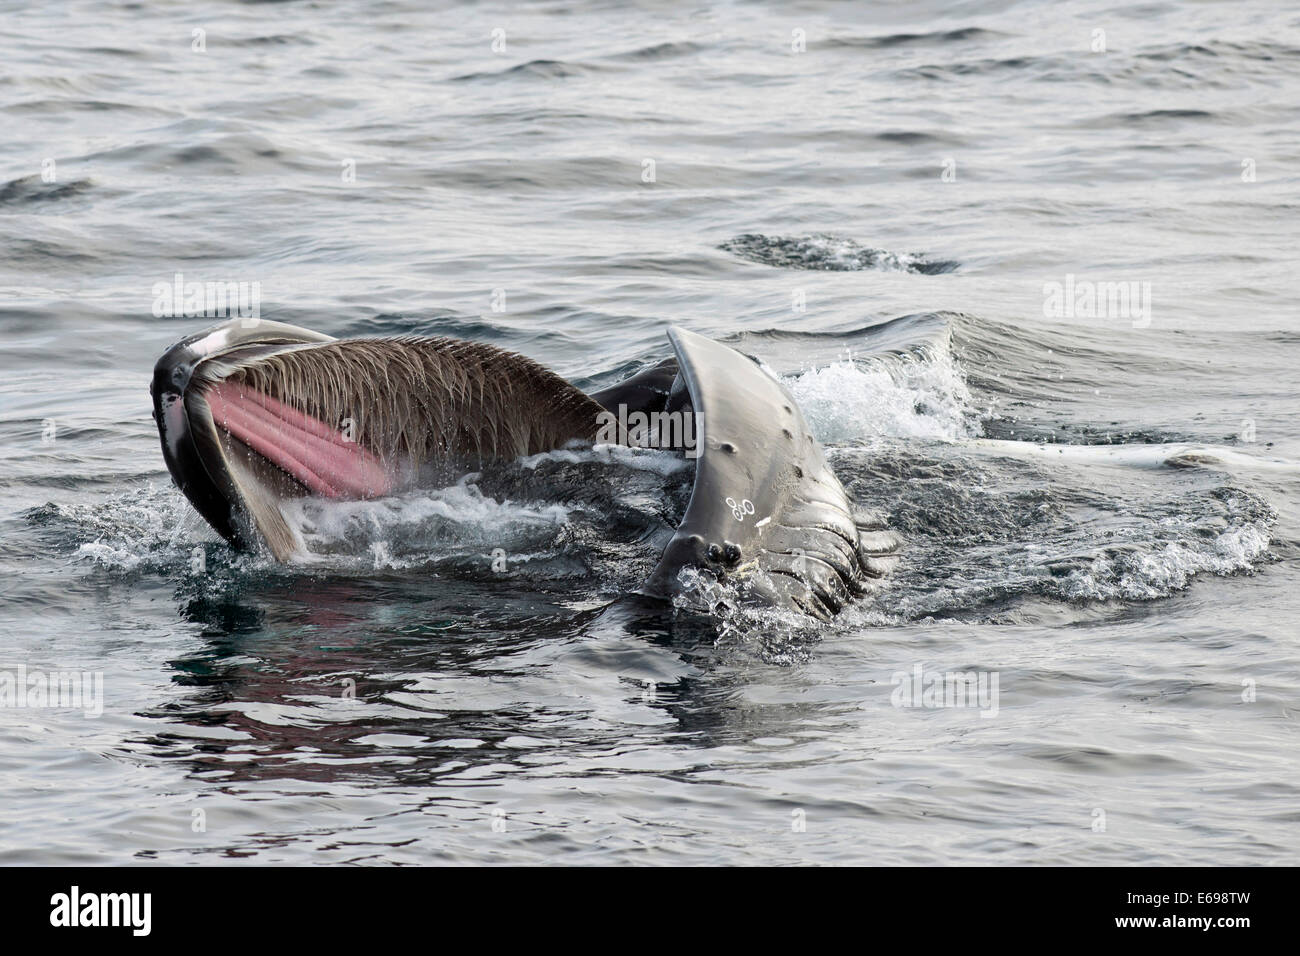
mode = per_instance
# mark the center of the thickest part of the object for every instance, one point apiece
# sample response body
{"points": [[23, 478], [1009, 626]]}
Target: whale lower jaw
{"points": [[765, 509], [253, 416]]}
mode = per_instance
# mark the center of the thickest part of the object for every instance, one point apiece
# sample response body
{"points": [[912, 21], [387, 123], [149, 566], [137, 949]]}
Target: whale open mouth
{"points": [[251, 417]]}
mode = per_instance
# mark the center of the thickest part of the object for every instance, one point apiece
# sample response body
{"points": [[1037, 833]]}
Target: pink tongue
{"points": [[317, 455]]}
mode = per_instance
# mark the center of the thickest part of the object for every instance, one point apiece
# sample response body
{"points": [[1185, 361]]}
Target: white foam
{"points": [[735, 617], [844, 254], [915, 396], [449, 519], [144, 526], [1156, 574], [1180, 454], [110, 556], [654, 460]]}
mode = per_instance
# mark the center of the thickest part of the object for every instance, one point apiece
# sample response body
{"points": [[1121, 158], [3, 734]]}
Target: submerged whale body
{"points": [[251, 417]]}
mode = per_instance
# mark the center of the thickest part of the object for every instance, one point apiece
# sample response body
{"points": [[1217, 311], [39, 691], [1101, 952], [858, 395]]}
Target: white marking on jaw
{"points": [[217, 341], [741, 508], [763, 522]]}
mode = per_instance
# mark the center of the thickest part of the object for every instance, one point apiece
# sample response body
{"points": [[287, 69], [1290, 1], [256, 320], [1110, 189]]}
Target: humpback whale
{"points": [[253, 413]]}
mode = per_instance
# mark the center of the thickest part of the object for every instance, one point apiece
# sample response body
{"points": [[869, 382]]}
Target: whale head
{"points": [[252, 414]]}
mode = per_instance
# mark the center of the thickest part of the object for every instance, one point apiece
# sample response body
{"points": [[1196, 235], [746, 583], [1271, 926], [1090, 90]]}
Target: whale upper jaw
{"points": [[196, 452]]}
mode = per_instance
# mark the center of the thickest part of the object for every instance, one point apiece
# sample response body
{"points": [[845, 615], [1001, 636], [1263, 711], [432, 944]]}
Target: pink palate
{"points": [[308, 449]]}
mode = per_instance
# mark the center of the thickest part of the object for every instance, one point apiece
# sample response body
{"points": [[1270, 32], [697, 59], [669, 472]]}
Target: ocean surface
{"points": [[1030, 269]]}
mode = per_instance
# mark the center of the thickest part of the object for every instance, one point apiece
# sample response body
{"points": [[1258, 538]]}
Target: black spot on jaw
{"points": [[728, 447]]}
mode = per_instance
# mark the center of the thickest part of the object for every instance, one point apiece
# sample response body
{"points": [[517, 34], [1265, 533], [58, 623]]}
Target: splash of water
{"points": [[918, 395]]}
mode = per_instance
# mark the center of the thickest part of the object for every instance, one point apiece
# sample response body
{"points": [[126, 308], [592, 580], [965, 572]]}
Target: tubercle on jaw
{"points": [[728, 553]]}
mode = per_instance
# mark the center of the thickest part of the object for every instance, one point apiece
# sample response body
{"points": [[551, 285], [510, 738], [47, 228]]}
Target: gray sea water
{"points": [[901, 208]]}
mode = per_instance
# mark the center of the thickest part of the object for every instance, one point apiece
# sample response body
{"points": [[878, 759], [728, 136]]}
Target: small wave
{"points": [[936, 38], [539, 69], [1195, 66], [175, 146], [912, 137], [279, 39], [659, 51], [1046, 68], [1281, 54], [819, 251], [57, 106], [30, 190], [1146, 118]]}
